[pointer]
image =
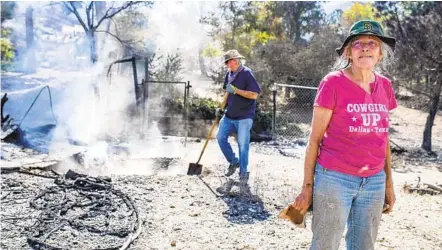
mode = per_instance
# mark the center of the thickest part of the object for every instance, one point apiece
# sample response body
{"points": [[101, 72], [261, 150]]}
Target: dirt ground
{"points": [[180, 212]]}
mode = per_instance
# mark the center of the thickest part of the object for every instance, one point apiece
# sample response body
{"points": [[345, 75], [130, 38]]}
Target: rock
{"points": [[173, 243], [195, 214]]}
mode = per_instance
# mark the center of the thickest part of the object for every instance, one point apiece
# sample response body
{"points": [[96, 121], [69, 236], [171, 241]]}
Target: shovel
{"points": [[196, 168]]}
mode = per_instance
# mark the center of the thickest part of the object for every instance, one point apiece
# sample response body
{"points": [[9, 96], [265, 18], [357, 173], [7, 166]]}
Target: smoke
{"points": [[95, 113], [176, 26]]}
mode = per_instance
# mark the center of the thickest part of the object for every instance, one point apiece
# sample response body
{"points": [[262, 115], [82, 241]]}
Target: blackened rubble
{"points": [[71, 211]]}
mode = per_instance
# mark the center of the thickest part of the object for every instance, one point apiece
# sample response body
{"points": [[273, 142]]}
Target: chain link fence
{"points": [[167, 107], [293, 109]]}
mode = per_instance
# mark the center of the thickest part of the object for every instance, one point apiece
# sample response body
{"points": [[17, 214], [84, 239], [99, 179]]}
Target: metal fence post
{"points": [[274, 91], [186, 107], [137, 94], [146, 94]]}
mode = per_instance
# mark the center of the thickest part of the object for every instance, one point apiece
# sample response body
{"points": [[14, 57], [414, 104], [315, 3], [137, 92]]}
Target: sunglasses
{"points": [[360, 45]]}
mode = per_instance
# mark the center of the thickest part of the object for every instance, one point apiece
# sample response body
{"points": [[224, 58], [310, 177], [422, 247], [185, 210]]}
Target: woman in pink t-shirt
{"points": [[347, 172]]}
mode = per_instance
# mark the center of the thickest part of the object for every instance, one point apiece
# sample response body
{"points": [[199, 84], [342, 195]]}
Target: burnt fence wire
{"points": [[75, 212], [292, 110]]}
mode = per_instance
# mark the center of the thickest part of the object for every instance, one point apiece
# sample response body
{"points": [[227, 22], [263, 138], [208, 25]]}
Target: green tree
{"points": [[170, 69], [7, 50], [361, 11], [131, 31], [300, 18], [7, 47], [244, 25], [165, 70], [7, 10]]}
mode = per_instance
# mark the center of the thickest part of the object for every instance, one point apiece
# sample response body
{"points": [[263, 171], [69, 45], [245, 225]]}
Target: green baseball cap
{"points": [[367, 27]]}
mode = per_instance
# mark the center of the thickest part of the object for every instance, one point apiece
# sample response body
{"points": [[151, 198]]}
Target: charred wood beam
{"points": [[4, 100]]}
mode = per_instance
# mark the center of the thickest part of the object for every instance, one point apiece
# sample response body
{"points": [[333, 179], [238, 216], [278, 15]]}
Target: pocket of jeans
{"points": [[320, 169], [319, 172], [317, 168]]}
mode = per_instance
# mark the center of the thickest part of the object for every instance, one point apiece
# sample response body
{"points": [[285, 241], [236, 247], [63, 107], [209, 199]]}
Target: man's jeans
{"points": [[242, 128], [339, 199]]}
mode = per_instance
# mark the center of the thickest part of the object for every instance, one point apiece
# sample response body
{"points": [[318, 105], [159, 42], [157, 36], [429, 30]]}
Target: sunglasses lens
{"points": [[372, 45], [359, 45]]}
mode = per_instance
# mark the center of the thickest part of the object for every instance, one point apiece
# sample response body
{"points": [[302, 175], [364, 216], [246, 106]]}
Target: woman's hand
{"points": [[304, 200], [390, 199]]}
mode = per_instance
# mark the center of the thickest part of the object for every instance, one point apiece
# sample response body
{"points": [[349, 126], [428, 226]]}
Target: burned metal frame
{"points": [[142, 98], [133, 60], [187, 87]]}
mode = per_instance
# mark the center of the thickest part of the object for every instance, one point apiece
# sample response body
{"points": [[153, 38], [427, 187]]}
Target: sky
{"points": [[330, 6]]}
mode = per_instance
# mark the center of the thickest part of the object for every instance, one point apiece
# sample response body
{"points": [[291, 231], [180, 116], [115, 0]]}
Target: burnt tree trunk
{"points": [[92, 45], [434, 106], [30, 53]]}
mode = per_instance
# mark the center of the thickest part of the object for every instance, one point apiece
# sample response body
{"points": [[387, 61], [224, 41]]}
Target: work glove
{"points": [[231, 89], [219, 112], [290, 213]]}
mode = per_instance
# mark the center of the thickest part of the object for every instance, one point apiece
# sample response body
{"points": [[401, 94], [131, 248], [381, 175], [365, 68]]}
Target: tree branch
{"points": [[55, 3], [429, 57], [115, 26], [93, 10], [65, 5], [417, 91], [107, 15], [74, 10], [114, 36], [88, 14]]}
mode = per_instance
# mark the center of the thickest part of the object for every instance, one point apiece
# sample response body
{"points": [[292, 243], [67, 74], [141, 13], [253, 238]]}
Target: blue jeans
{"points": [[242, 128], [340, 199]]}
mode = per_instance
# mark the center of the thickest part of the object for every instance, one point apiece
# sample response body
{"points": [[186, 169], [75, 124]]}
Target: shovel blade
{"points": [[195, 169]]}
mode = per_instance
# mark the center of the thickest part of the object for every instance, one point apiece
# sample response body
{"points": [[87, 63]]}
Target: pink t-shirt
{"points": [[356, 138]]}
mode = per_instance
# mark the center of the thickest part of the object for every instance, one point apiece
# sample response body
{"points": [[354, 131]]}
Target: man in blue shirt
{"points": [[238, 117]]}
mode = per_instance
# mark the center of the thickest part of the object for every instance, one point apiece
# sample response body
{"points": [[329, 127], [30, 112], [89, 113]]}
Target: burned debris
{"points": [[71, 211], [9, 127], [422, 188]]}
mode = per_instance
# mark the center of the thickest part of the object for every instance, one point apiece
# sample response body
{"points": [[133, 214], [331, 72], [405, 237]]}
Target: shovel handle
{"points": [[223, 105]]}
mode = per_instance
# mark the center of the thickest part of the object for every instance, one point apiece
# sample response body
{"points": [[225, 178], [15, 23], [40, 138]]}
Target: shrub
{"points": [[204, 109]]}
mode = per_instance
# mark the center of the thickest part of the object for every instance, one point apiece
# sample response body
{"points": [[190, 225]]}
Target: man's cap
{"points": [[232, 54]]}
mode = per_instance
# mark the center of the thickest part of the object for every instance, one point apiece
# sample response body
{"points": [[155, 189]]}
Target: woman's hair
{"points": [[343, 61]]}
